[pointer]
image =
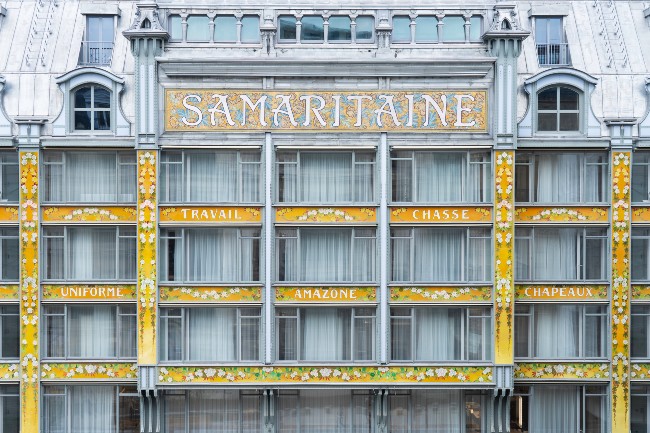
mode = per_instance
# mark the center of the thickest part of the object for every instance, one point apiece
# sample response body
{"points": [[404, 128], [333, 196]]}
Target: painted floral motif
{"points": [[10, 292], [325, 214], [29, 281], [147, 302], [90, 214], [620, 290], [561, 214], [640, 292], [9, 214], [315, 375], [640, 214], [561, 371], [54, 371], [503, 251], [440, 294], [208, 294], [9, 372], [640, 372]]}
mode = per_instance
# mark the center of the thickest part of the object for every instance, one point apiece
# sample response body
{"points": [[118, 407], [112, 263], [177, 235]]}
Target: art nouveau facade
{"points": [[253, 218]]}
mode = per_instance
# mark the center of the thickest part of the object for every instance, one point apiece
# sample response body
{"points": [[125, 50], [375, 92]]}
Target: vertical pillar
{"points": [[384, 239], [29, 292], [620, 313]]}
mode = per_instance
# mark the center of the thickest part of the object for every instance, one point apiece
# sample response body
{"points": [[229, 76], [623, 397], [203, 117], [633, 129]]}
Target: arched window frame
{"points": [[92, 109], [74, 80], [581, 82], [558, 111]]}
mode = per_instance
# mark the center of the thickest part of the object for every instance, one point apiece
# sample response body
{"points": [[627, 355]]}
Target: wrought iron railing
{"points": [[553, 54], [96, 53]]}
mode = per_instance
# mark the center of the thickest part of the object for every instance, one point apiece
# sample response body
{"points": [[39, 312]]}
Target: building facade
{"points": [[324, 218]]}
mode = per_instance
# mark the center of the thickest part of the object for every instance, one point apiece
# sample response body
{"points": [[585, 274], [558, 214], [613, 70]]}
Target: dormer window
{"points": [[97, 46], [552, 48], [558, 109], [92, 108]]}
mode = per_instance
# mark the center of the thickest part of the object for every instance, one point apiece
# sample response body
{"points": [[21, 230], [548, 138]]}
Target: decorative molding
{"points": [[9, 214], [440, 295], [9, 372], [10, 292], [303, 215], [5, 122], [561, 371], [640, 214], [640, 292], [86, 292], [447, 214], [210, 214], [89, 371], [95, 214], [564, 214], [640, 371], [210, 294], [325, 294], [561, 292]]}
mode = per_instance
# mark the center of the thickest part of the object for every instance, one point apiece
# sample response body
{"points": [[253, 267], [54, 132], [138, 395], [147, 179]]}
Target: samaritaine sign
{"points": [[403, 111]]}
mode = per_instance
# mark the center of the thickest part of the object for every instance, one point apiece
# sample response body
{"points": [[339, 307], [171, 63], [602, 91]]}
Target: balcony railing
{"points": [[95, 53], [553, 54]]}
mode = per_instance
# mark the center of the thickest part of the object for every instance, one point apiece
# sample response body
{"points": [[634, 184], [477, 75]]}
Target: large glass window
{"points": [[441, 177], [90, 253], [212, 410], [90, 331], [217, 255], [312, 29], [641, 177], [428, 29], [325, 177], [326, 254], [210, 176], [325, 411], [560, 254], [9, 408], [552, 48], [92, 108], [561, 177], [559, 408], [9, 177], [97, 46], [9, 332], [91, 408], [438, 411], [640, 254], [325, 334], [560, 331], [9, 254], [198, 28], [640, 409], [441, 334], [89, 177], [640, 337], [210, 334], [427, 254], [558, 110]]}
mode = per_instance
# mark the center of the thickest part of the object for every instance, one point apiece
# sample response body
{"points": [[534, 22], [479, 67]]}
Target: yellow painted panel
{"points": [[325, 294], [565, 214], [9, 214], [640, 292], [561, 292], [10, 292], [210, 294], [441, 294], [325, 215], [213, 214], [315, 110], [562, 371], [96, 292], [9, 372], [448, 214], [640, 371], [640, 214], [89, 370], [96, 214]]}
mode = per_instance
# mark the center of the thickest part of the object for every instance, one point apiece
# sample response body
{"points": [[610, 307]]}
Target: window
{"points": [[325, 411], [97, 46], [89, 177], [217, 255], [90, 331], [438, 411], [90, 253], [9, 332], [92, 108], [9, 177], [312, 29], [365, 29], [640, 338], [225, 28], [441, 177], [175, 28], [559, 408], [326, 254], [427, 254], [441, 334], [10, 408], [210, 176], [198, 28], [210, 334], [453, 29], [560, 331], [640, 409], [552, 48], [9, 254], [560, 254], [250, 29], [339, 29], [561, 177], [212, 410], [91, 408], [640, 254], [287, 28], [428, 29], [325, 334], [325, 177], [641, 177], [558, 110], [401, 29]]}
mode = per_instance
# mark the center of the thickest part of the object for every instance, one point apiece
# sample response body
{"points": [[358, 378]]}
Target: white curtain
{"points": [[212, 334], [91, 331], [214, 411], [91, 253], [93, 409], [325, 334], [439, 177], [556, 331], [91, 177], [436, 411], [326, 177], [558, 178], [325, 254], [212, 176], [213, 255], [554, 409], [324, 411], [439, 254], [437, 334], [555, 254]]}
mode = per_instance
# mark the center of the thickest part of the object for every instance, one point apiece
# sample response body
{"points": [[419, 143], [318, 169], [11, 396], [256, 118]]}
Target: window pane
{"points": [[365, 28], [476, 28], [82, 120], [55, 336], [339, 29], [555, 254], [325, 334], [401, 331], [326, 177], [453, 29], [402, 180], [595, 259], [175, 28], [54, 413], [556, 331], [212, 334], [54, 258], [287, 26], [401, 29], [439, 177], [312, 29], [547, 122], [91, 331], [426, 29], [129, 414], [547, 99], [568, 99], [128, 258], [10, 176], [287, 338], [569, 122], [95, 408], [639, 256], [82, 97], [640, 190], [128, 336], [102, 97], [10, 256], [91, 253], [171, 338], [521, 335], [250, 339], [91, 177], [364, 337], [639, 343], [437, 334], [102, 120], [555, 32], [541, 31], [198, 28], [250, 31], [225, 28], [10, 331]]}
